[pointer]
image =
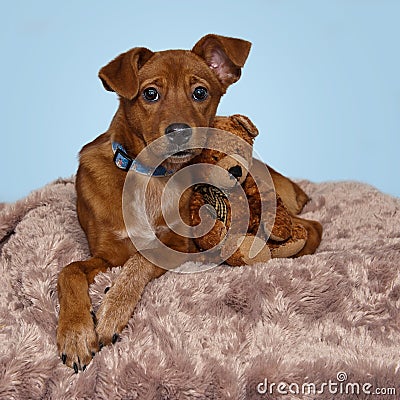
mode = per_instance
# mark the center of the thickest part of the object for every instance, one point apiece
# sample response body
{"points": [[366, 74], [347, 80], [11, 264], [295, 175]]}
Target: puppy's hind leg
{"points": [[314, 235], [290, 192]]}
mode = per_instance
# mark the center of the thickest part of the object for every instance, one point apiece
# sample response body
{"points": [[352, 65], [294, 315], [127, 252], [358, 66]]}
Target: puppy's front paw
{"points": [[76, 339], [112, 316]]}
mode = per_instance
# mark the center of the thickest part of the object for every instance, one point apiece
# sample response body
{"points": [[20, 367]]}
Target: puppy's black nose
{"points": [[236, 171], [178, 133]]}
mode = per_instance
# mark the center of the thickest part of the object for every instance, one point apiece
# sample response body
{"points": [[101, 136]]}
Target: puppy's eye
{"points": [[200, 93], [151, 94]]}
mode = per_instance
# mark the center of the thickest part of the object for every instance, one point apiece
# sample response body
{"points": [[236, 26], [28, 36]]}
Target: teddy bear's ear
{"points": [[246, 123]]}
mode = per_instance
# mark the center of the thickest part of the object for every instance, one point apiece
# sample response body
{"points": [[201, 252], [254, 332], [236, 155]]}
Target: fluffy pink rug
{"points": [[266, 331]]}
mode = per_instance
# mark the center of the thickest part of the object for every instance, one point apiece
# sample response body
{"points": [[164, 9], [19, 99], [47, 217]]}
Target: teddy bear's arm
{"points": [[217, 232]]}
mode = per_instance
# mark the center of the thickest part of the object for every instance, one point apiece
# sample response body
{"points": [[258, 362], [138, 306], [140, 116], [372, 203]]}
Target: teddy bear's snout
{"points": [[236, 171]]}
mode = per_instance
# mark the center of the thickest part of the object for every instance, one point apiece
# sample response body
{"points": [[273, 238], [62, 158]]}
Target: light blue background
{"points": [[321, 82]]}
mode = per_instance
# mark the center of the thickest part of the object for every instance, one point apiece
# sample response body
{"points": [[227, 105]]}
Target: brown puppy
{"points": [[161, 94]]}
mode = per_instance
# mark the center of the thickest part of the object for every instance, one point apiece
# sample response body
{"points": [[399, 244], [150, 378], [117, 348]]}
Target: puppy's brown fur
{"points": [[214, 63]]}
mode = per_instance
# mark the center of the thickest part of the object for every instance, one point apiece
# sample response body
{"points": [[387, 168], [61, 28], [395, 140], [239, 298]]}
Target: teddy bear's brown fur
{"points": [[267, 235]]}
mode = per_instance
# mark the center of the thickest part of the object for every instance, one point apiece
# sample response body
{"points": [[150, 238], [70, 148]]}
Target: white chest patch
{"points": [[144, 204]]}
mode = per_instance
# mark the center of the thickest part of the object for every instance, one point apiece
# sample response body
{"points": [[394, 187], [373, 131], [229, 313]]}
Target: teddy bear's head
{"points": [[235, 160]]}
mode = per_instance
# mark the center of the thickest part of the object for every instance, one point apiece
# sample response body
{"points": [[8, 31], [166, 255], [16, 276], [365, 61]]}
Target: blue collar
{"points": [[124, 162]]}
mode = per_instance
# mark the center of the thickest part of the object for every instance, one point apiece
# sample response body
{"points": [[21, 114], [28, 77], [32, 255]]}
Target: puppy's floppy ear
{"points": [[246, 123], [224, 55], [121, 74]]}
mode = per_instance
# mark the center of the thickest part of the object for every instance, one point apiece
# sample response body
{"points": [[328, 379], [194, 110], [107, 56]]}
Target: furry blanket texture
{"points": [[260, 332]]}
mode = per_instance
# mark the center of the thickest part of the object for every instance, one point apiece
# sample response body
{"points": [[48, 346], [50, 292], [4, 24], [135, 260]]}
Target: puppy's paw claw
{"points": [[114, 338], [77, 340], [94, 318]]}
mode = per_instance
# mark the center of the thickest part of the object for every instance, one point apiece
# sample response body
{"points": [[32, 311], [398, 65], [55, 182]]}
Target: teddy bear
{"points": [[237, 185]]}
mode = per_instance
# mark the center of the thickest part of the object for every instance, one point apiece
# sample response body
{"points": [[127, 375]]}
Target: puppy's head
{"points": [[166, 95]]}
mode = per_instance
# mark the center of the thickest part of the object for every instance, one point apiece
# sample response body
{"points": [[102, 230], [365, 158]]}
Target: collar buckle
{"points": [[126, 163], [122, 160]]}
